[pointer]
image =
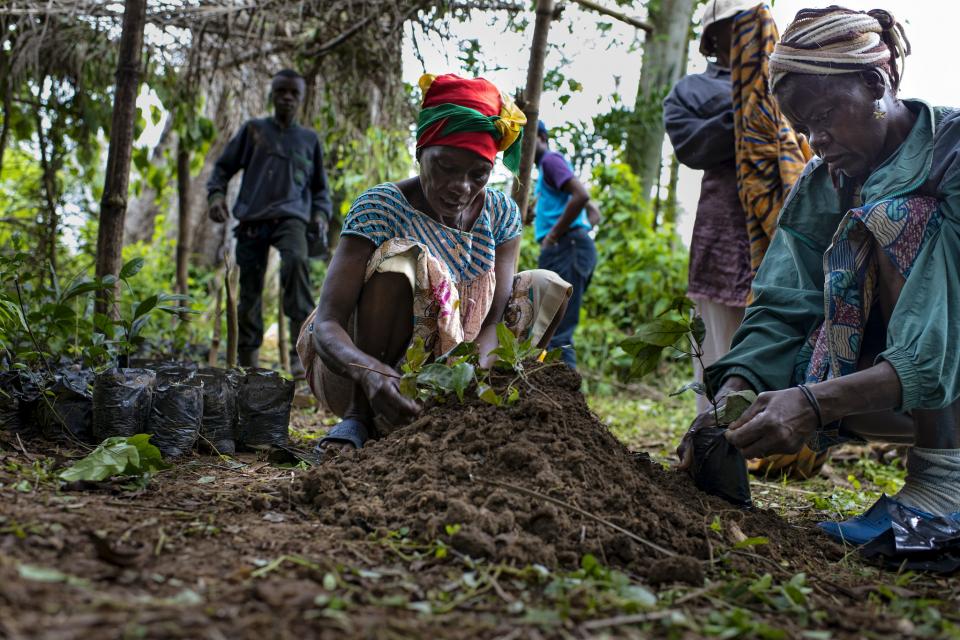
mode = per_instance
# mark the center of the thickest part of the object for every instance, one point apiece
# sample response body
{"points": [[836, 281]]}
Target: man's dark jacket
{"points": [[283, 174]]}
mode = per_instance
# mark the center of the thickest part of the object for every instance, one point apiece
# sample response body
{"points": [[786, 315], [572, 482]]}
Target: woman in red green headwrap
{"points": [[431, 257]]}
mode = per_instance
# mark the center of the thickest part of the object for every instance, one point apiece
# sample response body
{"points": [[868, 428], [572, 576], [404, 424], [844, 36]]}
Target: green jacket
{"points": [[923, 338]]}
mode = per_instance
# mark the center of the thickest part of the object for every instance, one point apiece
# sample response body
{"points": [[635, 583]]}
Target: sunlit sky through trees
{"points": [[605, 66]]}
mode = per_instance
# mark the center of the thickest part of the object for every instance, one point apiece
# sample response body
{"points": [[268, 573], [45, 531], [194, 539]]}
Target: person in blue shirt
{"points": [[283, 202], [564, 217]]}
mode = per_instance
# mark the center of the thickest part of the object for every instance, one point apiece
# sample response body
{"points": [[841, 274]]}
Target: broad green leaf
{"points": [[645, 361], [408, 385], [415, 357], [78, 288], [145, 306], [734, 405], [132, 268], [662, 332], [633, 345], [137, 327], [175, 310], [488, 395], [507, 343], [116, 456], [462, 376], [107, 281], [436, 376]]}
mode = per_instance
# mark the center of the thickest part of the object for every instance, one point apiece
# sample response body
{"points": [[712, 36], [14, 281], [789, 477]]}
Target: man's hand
{"points": [[217, 209], [593, 214], [551, 239], [778, 422], [707, 419], [316, 233], [382, 388]]}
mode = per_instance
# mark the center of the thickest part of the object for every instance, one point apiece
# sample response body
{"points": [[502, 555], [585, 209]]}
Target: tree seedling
{"points": [[685, 338], [458, 370]]}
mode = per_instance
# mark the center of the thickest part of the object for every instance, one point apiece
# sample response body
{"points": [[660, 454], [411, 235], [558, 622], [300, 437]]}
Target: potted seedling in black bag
{"points": [[718, 467]]}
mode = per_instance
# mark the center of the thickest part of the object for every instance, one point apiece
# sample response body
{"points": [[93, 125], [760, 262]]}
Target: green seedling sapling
{"points": [[685, 339]]}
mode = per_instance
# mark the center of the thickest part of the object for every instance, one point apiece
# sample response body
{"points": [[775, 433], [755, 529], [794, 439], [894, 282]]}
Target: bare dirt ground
{"points": [[477, 522]]}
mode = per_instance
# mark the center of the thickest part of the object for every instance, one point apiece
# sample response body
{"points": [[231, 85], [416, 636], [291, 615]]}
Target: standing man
{"points": [[564, 217], [698, 115], [283, 202]]}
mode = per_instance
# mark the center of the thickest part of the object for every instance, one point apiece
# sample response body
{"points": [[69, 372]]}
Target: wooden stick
{"points": [[281, 327], [596, 518], [618, 621], [230, 280], [531, 102], [383, 373]]}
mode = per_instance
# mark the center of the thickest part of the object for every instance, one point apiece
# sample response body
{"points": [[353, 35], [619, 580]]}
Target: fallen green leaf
{"points": [[118, 456]]}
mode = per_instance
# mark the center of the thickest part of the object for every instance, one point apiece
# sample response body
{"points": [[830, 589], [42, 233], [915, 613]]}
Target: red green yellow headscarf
{"points": [[472, 114]]}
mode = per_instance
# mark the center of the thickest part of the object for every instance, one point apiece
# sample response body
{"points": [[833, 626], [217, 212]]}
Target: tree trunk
{"points": [[6, 99], [48, 249], [232, 281], [282, 328], [113, 205], [670, 204], [664, 61], [183, 217], [531, 102], [217, 318]]}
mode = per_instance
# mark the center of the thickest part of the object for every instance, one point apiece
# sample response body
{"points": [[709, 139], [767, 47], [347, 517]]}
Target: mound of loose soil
{"points": [[463, 465]]}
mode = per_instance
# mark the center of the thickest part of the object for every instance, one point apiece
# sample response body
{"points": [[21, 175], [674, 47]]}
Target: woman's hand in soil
{"points": [[382, 388], [778, 422]]}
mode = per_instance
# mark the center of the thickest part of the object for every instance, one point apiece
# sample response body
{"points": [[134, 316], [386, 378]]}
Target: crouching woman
{"points": [[432, 257], [853, 332]]}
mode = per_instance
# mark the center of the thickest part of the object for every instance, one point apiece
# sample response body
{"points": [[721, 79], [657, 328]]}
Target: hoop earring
{"points": [[878, 111]]}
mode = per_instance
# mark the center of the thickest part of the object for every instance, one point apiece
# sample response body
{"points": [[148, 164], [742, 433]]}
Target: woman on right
{"points": [[853, 329]]}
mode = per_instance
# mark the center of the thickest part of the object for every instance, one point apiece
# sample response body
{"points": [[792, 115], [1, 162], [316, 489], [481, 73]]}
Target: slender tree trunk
{"points": [[282, 328], [664, 61], [49, 245], [113, 205], [531, 102], [217, 317], [6, 98], [183, 217], [670, 205], [232, 282]]}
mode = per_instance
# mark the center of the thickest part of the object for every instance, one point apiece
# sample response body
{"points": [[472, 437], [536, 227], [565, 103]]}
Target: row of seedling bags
{"points": [[179, 404]]}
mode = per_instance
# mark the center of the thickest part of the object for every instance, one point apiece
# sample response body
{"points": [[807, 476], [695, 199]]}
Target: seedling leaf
{"points": [[734, 405], [662, 332]]}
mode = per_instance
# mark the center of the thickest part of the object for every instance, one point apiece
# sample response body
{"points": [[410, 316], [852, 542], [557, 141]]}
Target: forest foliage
{"points": [[57, 97]]}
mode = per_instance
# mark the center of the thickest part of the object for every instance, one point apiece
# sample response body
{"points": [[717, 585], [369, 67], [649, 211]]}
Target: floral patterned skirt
{"points": [[446, 312]]}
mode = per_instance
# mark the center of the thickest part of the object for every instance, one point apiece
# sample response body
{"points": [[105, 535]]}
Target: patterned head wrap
{"points": [[472, 114], [835, 40]]}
